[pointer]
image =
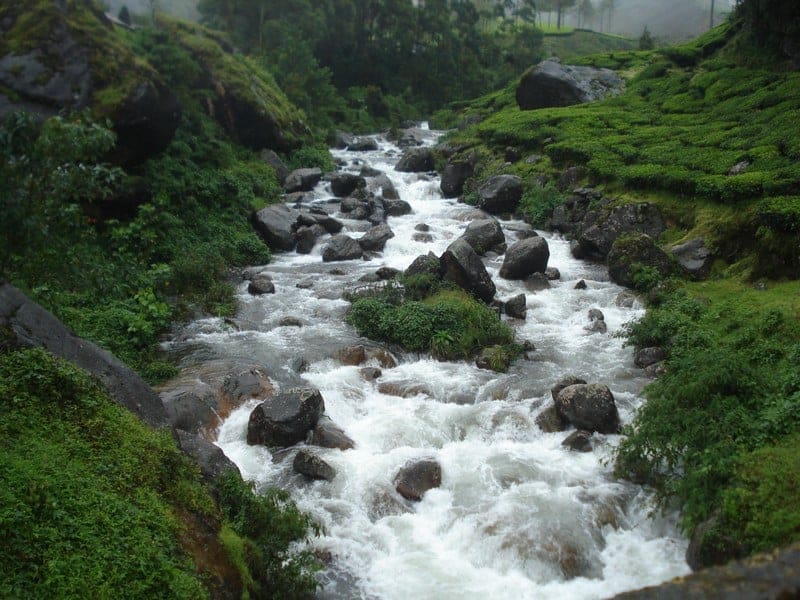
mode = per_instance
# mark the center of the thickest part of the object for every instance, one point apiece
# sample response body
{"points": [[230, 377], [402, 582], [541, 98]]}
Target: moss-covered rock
{"points": [[58, 56], [634, 256]]}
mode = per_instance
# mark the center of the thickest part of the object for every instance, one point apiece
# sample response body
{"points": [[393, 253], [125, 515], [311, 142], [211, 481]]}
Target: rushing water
{"points": [[517, 515]]}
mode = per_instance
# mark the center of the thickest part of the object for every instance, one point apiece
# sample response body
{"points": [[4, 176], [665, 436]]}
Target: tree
{"points": [[561, 6], [124, 15], [585, 10], [646, 41], [711, 17]]}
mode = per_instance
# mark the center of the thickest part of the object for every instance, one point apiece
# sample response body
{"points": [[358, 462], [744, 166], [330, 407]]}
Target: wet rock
{"points": [[597, 238], [625, 299], [493, 358], [454, 177], [261, 284], [209, 457], [302, 180], [307, 238], [597, 321], [385, 503], [341, 247], [337, 272], [290, 322], [286, 418], [309, 463], [273, 160], [404, 389], [422, 227], [375, 238], [369, 278], [424, 238], [342, 139], [358, 355], [500, 194], [388, 191], [425, 264], [328, 434], [656, 370], [536, 282], [363, 144], [370, 373], [396, 208], [462, 266], [563, 383], [191, 408], [590, 407], [275, 225], [320, 219], [694, 257], [386, 273], [552, 273], [638, 250], [414, 479], [580, 441], [516, 307], [525, 257], [304, 285], [576, 250], [368, 171], [484, 235], [570, 178], [415, 160], [644, 357], [344, 184], [550, 84], [581, 285], [550, 421]]}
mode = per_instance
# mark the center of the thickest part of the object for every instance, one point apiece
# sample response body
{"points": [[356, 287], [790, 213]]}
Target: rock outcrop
{"points": [[551, 84]]}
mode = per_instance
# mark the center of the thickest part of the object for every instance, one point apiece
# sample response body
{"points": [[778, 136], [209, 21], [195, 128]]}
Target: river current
{"points": [[518, 515]]}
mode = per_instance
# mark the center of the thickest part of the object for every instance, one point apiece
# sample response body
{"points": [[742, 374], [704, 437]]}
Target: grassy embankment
{"points": [[720, 432]]}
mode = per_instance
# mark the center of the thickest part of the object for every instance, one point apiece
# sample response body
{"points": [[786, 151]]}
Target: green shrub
{"points": [[537, 203]]}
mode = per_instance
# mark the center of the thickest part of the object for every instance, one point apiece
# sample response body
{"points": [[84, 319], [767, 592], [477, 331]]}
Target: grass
{"points": [[570, 45]]}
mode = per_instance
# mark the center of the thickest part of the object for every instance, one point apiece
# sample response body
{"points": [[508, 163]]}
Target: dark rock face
{"points": [[552, 273], [425, 264], [415, 160], [550, 421], [590, 407], [581, 285], [454, 177], [484, 235], [694, 257], [376, 237], [191, 409], [309, 463], [344, 184], [516, 307], [600, 233], [328, 434], [552, 84], [211, 459], [525, 257], [644, 357], [275, 225], [285, 419], [341, 247], [307, 238], [32, 326], [302, 180], [636, 250], [500, 194], [462, 266], [580, 441], [416, 478]]}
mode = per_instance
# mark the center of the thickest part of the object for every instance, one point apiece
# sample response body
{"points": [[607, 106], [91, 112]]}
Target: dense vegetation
{"points": [[719, 433]]}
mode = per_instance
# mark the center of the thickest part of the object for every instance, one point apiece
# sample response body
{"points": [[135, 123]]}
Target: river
{"points": [[517, 515]]}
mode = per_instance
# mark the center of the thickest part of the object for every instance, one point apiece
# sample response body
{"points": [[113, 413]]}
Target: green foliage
{"points": [[311, 156], [646, 41], [266, 524], [645, 278], [538, 202], [450, 324], [90, 495]]}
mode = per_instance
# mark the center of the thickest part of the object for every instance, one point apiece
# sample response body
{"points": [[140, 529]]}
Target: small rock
{"points": [[549, 420], [261, 284], [625, 299], [305, 285], [370, 373], [537, 282], [337, 272], [424, 238], [581, 285], [386, 273], [422, 227], [552, 273], [290, 322], [644, 357], [308, 463], [580, 441], [413, 480], [739, 168], [656, 370], [328, 434], [590, 407], [516, 307], [404, 389]]}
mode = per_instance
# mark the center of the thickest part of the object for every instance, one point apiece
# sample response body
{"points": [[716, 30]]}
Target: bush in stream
{"points": [[450, 324]]}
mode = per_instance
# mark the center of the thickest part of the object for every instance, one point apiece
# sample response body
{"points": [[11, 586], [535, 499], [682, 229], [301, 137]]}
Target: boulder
{"points": [[370, 373], [302, 180], [321, 219], [581, 285], [597, 321], [484, 235], [275, 225], [209, 457], [424, 264], [590, 407], [357, 355], [341, 247], [580, 441], [386, 273], [342, 139], [644, 357], [516, 307], [309, 463], [655, 370], [454, 177], [396, 208], [415, 160], [551, 84], [273, 160], [536, 282], [694, 257], [598, 237], [552, 273], [344, 184], [261, 284], [636, 250], [388, 191], [376, 237], [424, 238], [363, 144], [414, 479], [708, 547], [462, 266], [525, 257], [307, 238], [500, 194], [550, 421], [290, 322], [191, 408], [286, 418], [25, 324], [564, 382]]}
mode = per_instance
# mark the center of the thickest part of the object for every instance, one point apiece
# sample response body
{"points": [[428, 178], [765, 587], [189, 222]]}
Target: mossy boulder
{"points": [[634, 253], [57, 56]]}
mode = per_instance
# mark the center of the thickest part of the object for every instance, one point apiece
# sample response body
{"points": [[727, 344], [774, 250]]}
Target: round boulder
{"points": [[565, 382], [484, 235], [414, 479], [500, 194], [376, 237], [344, 184], [261, 284], [415, 160], [285, 419], [341, 247], [590, 407], [525, 257], [516, 307], [638, 250], [328, 434], [644, 357]]}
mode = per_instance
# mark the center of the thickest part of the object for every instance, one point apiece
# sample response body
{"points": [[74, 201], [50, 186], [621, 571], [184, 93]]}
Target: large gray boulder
{"points": [[552, 84], [525, 257], [694, 257], [376, 237], [484, 235], [454, 177], [275, 225], [344, 184], [362, 144], [589, 407], [462, 266], [414, 479], [563, 383], [600, 231], [25, 324], [516, 307], [302, 180], [286, 418], [341, 247], [636, 251], [500, 194], [415, 160]]}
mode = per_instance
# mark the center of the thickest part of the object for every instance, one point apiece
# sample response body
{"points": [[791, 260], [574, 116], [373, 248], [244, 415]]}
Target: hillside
{"points": [[708, 133], [581, 42]]}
